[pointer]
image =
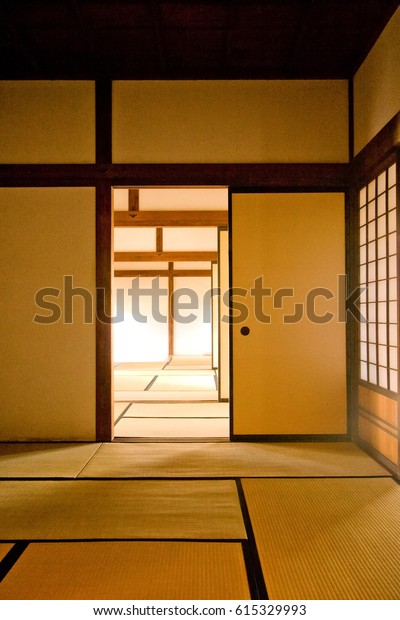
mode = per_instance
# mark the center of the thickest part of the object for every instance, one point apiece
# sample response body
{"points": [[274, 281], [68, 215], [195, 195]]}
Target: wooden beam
{"points": [[162, 273], [304, 177], [165, 256], [159, 240], [133, 200], [170, 218]]}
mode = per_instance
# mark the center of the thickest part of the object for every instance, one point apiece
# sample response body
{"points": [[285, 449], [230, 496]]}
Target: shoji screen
{"points": [[378, 329]]}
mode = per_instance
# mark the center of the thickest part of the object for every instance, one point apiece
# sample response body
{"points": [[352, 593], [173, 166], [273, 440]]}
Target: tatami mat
{"points": [[172, 428], [179, 410], [128, 570], [132, 382], [115, 509], [122, 366], [168, 372], [327, 539], [44, 460], [231, 460], [203, 361], [4, 549], [166, 395], [185, 383]]}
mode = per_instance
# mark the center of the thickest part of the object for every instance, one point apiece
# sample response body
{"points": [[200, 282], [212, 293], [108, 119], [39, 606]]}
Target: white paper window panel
{"points": [[140, 265], [193, 338], [382, 290], [371, 190], [393, 288], [363, 310], [363, 235], [134, 239], [372, 250], [372, 374], [372, 353], [382, 334], [372, 332], [392, 221], [383, 377], [392, 266], [192, 265], [382, 269], [382, 204], [382, 312], [371, 231], [363, 351], [187, 239], [135, 341], [371, 291], [393, 312], [381, 226], [371, 210], [393, 335], [363, 331], [364, 296], [393, 357], [183, 199], [363, 196], [392, 243], [363, 274], [363, 216], [121, 199], [392, 175], [382, 355], [393, 380], [381, 182], [382, 248], [392, 198], [372, 272]]}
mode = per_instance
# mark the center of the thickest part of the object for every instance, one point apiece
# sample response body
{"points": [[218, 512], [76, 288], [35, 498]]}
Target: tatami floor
{"points": [[175, 399], [154, 521]]}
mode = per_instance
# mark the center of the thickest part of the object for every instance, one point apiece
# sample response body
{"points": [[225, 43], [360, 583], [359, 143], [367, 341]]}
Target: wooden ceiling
{"points": [[235, 39]]}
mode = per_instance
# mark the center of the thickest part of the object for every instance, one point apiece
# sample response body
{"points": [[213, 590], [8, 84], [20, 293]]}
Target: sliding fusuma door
{"points": [[288, 323]]}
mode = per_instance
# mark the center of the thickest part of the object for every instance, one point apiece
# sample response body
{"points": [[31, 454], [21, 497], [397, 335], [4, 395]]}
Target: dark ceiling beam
{"points": [[158, 37], [320, 177], [18, 36]]}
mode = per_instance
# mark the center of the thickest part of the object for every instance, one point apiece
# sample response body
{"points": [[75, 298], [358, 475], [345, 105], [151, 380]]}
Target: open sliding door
{"points": [[288, 337]]}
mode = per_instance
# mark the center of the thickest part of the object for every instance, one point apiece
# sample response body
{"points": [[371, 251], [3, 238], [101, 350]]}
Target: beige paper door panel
{"points": [[289, 374]]}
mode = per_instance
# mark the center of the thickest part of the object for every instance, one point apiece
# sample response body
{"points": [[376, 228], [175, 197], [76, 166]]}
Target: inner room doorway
{"points": [[170, 346]]}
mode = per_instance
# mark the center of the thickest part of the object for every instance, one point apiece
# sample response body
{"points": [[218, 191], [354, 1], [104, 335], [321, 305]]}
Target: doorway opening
{"points": [[170, 342]]}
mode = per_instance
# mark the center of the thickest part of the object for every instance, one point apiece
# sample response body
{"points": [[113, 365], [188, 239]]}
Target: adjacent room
{"points": [[171, 367]]}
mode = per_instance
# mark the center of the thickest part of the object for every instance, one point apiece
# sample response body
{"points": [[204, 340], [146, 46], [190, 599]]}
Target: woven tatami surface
{"points": [[115, 509], [327, 539], [128, 570], [185, 460]]}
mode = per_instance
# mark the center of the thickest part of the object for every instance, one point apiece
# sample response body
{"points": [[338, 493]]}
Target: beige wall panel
{"points": [[48, 373], [379, 405], [379, 439], [47, 122], [224, 361], [289, 378], [377, 85], [230, 121]]}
